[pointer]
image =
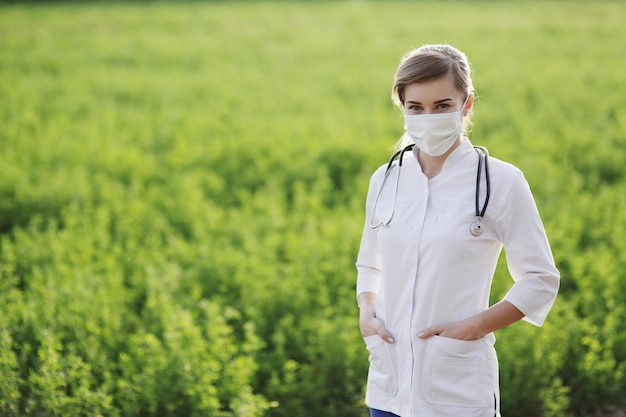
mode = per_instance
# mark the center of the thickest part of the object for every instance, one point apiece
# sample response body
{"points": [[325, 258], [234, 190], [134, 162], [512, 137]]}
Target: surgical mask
{"points": [[434, 134]]}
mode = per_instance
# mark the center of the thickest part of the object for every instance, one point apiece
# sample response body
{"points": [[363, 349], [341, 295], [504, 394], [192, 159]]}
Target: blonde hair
{"points": [[428, 63]]}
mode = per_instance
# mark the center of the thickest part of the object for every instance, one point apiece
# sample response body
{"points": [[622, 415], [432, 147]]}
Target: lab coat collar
{"points": [[461, 151]]}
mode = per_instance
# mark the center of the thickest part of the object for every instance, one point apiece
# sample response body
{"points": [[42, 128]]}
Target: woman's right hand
{"points": [[368, 322]]}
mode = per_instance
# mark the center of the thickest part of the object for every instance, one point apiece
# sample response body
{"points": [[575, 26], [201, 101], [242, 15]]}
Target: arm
{"points": [[530, 263], [369, 270], [528, 254], [494, 318]]}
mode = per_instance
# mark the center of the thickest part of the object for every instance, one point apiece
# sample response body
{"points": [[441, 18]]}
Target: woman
{"points": [[433, 235]]}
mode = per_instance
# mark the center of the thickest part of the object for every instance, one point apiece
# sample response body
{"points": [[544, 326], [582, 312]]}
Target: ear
{"points": [[468, 105]]}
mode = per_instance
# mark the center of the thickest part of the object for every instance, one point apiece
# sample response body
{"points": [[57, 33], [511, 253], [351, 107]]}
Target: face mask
{"points": [[434, 134]]}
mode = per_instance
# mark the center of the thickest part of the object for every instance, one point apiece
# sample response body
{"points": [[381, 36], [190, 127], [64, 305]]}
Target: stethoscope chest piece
{"points": [[476, 228]]}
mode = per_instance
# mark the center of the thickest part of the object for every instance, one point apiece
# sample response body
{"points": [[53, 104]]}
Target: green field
{"points": [[182, 192]]}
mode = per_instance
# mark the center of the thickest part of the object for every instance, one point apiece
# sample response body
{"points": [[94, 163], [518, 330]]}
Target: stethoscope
{"points": [[476, 228]]}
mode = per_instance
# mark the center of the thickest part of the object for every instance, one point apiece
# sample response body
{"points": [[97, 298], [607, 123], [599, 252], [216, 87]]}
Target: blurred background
{"points": [[182, 190]]}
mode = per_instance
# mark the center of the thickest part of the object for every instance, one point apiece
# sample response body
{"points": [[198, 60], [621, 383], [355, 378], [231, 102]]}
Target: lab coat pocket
{"points": [[381, 375], [458, 373]]}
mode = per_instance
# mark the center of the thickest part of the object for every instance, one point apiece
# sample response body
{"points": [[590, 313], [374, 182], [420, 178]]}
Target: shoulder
{"points": [[380, 171], [376, 178], [509, 188], [502, 172]]}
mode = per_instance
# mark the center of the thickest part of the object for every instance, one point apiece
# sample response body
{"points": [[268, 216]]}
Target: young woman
{"points": [[436, 221]]}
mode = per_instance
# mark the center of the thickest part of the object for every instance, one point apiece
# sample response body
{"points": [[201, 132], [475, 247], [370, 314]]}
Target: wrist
{"points": [[366, 300], [368, 310], [475, 327]]}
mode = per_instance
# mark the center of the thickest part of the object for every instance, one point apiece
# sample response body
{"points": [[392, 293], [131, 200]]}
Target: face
{"points": [[433, 97]]}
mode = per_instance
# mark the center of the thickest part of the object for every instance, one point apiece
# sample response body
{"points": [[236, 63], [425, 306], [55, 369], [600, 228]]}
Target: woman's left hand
{"points": [[495, 317], [461, 330]]}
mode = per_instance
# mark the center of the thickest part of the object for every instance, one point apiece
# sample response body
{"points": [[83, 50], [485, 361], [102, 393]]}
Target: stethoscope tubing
{"points": [[483, 155], [476, 228], [483, 158], [399, 153]]}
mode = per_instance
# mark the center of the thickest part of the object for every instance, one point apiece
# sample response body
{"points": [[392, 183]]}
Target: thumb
{"points": [[382, 331]]}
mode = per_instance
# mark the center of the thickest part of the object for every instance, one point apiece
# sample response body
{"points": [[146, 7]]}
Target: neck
{"points": [[432, 165]]}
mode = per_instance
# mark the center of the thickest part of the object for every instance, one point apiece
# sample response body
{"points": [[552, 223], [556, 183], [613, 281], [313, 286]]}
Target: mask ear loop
{"points": [[464, 106]]}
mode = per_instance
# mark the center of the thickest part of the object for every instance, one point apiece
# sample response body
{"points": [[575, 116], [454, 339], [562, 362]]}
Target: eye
{"points": [[414, 108], [443, 106]]}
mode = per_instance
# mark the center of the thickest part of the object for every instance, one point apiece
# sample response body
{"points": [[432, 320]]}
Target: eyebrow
{"points": [[436, 102]]}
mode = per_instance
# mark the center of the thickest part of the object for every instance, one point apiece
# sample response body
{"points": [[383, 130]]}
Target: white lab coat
{"points": [[427, 269]]}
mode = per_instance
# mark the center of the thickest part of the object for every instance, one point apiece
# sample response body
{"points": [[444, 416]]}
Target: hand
{"points": [[370, 325], [460, 330], [495, 317]]}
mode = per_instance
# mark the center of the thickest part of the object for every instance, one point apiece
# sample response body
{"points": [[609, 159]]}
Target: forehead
{"points": [[431, 91]]}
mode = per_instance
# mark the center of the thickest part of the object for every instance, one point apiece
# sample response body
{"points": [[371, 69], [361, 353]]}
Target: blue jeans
{"points": [[377, 413]]}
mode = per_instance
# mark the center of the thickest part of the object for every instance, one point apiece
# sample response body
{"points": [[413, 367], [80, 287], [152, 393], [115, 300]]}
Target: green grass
{"points": [[182, 189]]}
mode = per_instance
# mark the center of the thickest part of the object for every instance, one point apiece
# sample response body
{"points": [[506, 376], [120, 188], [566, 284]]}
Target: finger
{"points": [[425, 334], [382, 331]]}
